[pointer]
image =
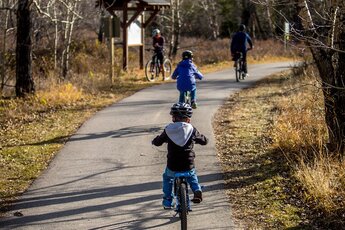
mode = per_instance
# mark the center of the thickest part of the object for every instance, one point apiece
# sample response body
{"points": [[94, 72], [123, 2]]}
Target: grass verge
{"points": [[256, 176], [272, 182], [33, 130]]}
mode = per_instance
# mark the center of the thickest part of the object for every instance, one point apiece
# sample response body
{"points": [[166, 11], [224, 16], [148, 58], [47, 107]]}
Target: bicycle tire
{"points": [[183, 205], [167, 67], [187, 98], [237, 70], [158, 68], [150, 72]]}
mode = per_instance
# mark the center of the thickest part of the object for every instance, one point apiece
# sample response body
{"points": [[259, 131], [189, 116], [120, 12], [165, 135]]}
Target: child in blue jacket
{"points": [[186, 73]]}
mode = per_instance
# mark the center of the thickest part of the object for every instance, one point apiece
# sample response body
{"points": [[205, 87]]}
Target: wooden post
{"points": [[142, 47], [125, 38], [112, 48]]}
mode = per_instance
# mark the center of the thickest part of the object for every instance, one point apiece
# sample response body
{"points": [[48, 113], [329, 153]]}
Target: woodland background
{"points": [[54, 74]]}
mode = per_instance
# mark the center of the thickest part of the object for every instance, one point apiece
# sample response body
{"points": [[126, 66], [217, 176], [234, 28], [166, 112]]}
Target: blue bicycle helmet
{"points": [[187, 54], [182, 110], [242, 27]]}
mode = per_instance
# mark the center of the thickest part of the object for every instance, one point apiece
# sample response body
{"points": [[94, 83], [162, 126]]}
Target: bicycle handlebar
{"points": [[152, 49]]}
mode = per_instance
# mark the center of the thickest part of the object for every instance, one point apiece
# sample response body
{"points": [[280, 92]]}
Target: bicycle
{"points": [[187, 98], [153, 69], [239, 66], [239, 73], [181, 197]]}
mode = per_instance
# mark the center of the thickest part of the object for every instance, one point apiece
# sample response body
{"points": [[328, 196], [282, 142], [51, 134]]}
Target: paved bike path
{"points": [[109, 176]]}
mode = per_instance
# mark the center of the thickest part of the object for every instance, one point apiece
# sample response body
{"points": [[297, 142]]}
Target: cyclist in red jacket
{"points": [[158, 45]]}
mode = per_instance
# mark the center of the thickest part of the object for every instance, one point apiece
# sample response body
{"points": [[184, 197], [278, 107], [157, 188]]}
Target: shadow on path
{"points": [[126, 195]]}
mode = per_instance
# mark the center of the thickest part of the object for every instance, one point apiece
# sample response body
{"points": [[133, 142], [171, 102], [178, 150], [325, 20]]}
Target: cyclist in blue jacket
{"points": [[186, 73], [239, 45]]}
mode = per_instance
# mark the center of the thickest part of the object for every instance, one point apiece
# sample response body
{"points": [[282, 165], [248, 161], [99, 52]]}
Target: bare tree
{"points": [[71, 17], [211, 9], [269, 16], [321, 26], [24, 81], [324, 32], [7, 11], [64, 15], [176, 24]]}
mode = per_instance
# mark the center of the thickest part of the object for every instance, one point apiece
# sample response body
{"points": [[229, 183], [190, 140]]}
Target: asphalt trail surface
{"points": [[109, 176]]}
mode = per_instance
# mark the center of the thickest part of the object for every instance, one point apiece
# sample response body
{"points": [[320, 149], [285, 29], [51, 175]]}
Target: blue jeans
{"points": [[168, 183], [192, 96]]}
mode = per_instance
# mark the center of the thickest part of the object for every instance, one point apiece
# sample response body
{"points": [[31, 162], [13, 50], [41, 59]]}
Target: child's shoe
{"points": [[194, 105], [167, 203], [197, 197]]}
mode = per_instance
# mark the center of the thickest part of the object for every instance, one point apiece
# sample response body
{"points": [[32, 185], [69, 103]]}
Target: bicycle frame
{"points": [[181, 197], [187, 97], [153, 68], [155, 65], [180, 178], [239, 66]]}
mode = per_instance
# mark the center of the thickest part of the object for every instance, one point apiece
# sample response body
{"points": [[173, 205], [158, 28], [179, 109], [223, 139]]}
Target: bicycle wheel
{"points": [[242, 73], [167, 69], [183, 205], [237, 70], [158, 70], [150, 71], [187, 98]]}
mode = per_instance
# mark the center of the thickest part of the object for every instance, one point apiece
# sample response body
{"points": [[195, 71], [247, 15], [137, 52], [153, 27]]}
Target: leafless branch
{"points": [[333, 26]]}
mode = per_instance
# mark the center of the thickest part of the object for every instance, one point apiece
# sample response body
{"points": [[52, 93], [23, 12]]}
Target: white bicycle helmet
{"points": [[155, 32]]}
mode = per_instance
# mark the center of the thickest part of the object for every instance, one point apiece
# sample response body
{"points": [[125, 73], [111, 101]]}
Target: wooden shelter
{"points": [[131, 9]]}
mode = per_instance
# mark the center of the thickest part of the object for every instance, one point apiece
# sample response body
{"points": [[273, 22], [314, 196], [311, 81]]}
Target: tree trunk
{"points": [[3, 56], [330, 62], [177, 28], [56, 39], [269, 18], [238, 6], [172, 34], [24, 81], [337, 138], [245, 13]]}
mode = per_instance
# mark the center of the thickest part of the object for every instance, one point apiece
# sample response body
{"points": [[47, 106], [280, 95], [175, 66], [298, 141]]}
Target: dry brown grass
{"points": [[300, 123], [256, 174], [323, 179], [207, 52], [271, 142], [300, 133]]}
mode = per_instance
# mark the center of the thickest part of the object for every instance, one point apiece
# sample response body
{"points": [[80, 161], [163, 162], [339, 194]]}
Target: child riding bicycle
{"points": [[185, 73], [158, 45], [181, 137]]}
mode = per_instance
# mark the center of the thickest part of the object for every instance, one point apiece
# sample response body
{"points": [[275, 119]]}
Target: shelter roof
{"points": [[112, 5]]}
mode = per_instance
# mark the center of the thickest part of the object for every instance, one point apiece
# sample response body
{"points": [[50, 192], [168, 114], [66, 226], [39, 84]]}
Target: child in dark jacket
{"points": [[186, 73], [181, 137]]}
